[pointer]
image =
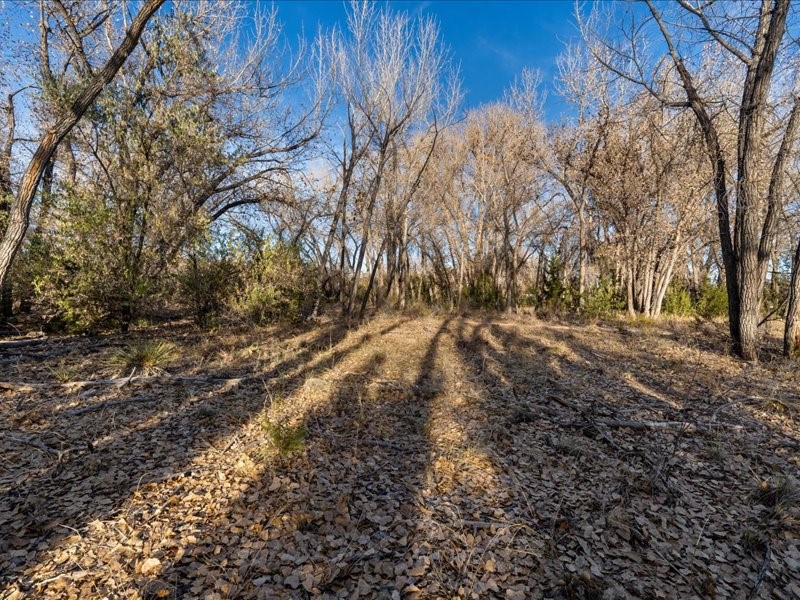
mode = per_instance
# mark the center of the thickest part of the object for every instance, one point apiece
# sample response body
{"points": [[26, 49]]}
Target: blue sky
{"points": [[492, 41]]}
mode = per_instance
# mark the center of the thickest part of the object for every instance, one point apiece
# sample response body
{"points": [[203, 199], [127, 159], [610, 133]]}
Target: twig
{"points": [[762, 572], [33, 443], [733, 403], [383, 444]]}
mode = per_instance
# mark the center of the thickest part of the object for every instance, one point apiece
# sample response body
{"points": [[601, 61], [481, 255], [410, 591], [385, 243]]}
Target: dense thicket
{"points": [[220, 174]]}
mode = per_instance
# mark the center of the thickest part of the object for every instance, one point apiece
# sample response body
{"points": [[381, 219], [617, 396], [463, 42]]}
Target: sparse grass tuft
{"points": [[63, 373], [286, 439], [780, 495], [146, 356], [754, 541]]}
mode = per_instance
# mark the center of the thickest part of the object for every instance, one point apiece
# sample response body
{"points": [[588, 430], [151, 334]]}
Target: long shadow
{"points": [[341, 507], [650, 496], [106, 467], [588, 513]]}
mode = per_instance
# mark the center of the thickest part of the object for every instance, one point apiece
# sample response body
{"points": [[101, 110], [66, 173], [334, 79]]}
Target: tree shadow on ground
{"points": [[650, 497], [333, 519], [449, 457], [115, 453]]}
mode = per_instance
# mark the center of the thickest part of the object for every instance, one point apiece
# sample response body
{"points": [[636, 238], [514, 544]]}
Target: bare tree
{"points": [[389, 74], [754, 57]]}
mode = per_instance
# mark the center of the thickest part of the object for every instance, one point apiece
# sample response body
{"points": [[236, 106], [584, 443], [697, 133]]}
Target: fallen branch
{"points": [[32, 443], [103, 405], [527, 416], [21, 387], [680, 425], [50, 451], [123, 381], [383, 444], [22, 343]]}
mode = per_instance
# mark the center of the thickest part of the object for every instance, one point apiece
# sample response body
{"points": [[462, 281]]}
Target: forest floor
{"points": [[424, 457]]}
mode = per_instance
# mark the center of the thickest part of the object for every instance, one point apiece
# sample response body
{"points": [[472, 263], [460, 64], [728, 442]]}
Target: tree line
{"points": [[189, 157]]}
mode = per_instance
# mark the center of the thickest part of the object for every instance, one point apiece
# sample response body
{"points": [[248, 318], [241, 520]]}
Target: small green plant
{"points": [[286, 439], [146, 356], [780, 494], [63, 373], [754, 540]]}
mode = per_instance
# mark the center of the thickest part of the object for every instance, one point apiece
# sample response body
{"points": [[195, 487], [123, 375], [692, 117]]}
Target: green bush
{"points": [[678, 301], [278, 286], [602, 301], [484, 292], [106, 256], [712, 301], [207, 282], [555, 294]]}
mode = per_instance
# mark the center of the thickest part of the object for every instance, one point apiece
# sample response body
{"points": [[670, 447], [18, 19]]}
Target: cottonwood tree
{"points": [[756, 59], [791, 334], [390, 76], [87, 89], [485, 210], [649, 183], [572, 145], [502, 176]]}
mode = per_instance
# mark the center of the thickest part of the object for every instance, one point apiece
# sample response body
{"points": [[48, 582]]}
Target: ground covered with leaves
{"points": [[425, 457]]}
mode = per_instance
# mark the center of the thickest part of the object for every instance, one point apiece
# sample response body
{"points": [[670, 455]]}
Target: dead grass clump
{"points": [[147, 357]]}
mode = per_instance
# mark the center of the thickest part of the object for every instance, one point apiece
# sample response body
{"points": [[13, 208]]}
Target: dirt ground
{"points": [[425, 457]]}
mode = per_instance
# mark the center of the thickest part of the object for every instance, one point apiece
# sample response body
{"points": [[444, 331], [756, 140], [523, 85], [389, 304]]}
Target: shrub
{"points": [[484, 292], [555, 294], [712, 301], [601, 301], [678, 301], [207, 282], [105, 257], [278, 286]]}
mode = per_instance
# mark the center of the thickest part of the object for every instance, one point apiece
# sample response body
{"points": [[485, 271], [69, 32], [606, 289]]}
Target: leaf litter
{"points": [[430, 457]]}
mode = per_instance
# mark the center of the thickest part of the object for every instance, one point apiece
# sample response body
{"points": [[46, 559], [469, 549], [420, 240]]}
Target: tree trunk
{"points": [[402, 276], [21, 207], [371, 281], [629, 288], [581, 255], [791, 332]]}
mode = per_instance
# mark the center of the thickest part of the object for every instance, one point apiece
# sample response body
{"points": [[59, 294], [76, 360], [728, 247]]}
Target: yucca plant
{"points": [[146, 356]]}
